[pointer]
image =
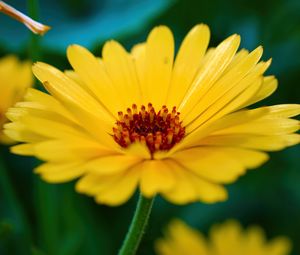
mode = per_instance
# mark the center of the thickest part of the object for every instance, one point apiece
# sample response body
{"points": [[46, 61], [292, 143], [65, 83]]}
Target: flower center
{"points": [[158, 130]]}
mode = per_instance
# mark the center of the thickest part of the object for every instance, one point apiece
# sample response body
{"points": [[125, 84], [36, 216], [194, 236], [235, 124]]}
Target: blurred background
{"points": [[46, 219]]}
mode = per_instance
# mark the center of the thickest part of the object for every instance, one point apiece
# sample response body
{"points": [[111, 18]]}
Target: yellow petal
{"points": [[16, 77], [279, 246], [4, 139], [284, 110], [91, 184], [208, 192], [231, 232], [138, 53], [239, 99], [230, 120], [46, 127], [261, 67], [238, 57], [68, 92], [138, 150], [95, 125], [75, 77], [158, 66], [230, 102], [44, 101], [60, 150], [188, 62], [93, 74], [18, 132], [183, 192], [121, 189], [120, 67], [60, 172], [156, 177], [190, 188], [236, 118], [257, 142], [248, 158], [8, 69], [24, 78], [234, 99], [112, 164], [14, 114], [163, 247], [210, 72], [23, 110], [23, 149], [255, 240], [232, 81], [180, 240], [264, 126], [211, 164], [269, 86]]}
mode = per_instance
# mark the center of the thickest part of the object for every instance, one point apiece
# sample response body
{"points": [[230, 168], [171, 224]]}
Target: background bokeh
{"points": [[46, 219]]}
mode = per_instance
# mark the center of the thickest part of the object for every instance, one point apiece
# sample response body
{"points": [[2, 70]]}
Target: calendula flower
{"points": [[15, 78], [140, 119], [224, 239]]}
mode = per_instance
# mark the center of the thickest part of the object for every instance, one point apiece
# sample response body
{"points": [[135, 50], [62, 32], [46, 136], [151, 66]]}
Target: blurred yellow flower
{"points": [[15, 78], [141, 119], [224, 239]]}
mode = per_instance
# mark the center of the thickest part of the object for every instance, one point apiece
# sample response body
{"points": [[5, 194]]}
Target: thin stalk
{"points": [[34, 46], [15, 205], [138, 226], [45, 195]]}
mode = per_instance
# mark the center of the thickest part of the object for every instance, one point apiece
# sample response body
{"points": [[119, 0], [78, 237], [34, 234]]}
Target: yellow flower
{"points": [[140, 119], [15, 78], [225, 239]]}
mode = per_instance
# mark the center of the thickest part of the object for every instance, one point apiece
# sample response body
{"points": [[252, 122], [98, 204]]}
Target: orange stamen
{"points": [[158, 130]]}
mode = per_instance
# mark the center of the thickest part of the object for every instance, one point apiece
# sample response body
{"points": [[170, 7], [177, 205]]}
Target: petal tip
{"points": [[158, 31]]}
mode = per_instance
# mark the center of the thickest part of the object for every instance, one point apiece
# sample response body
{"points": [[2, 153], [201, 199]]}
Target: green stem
{"points": [[15, 205], [34, 46], [45, 195], [137, 227]]}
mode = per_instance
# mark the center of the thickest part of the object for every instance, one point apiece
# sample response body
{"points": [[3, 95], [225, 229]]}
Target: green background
{"points": [[40, 218]]}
